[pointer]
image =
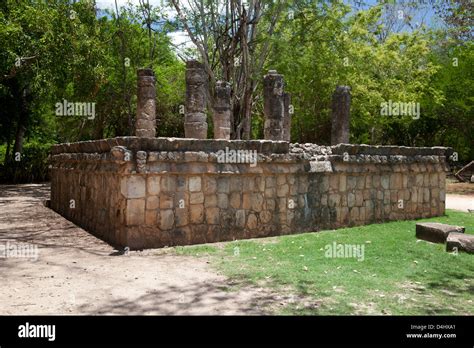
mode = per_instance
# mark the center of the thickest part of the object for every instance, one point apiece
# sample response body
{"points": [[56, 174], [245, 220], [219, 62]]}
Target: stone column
{"points": [[222, 111], [145, 123], [273, 105], [341, 104], [195, 125], [287, 117]]}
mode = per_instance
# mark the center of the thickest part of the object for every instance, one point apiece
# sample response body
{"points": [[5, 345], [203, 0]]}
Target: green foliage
{"points": [[68, 50], [31, 167], [336, 47]]}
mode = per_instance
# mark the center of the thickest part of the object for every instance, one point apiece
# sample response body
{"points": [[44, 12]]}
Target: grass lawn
{"points": [[396, 274]]}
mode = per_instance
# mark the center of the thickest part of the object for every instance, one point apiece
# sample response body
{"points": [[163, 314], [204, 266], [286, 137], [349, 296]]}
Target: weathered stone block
{"points": [[426, 180], [235, 184], [396, 181], [152, 202], [283, 190], [182, 217], [334, 199], [281, 180], [133, 186], [246, 201], [257, 202], [342, 183], [210, 201], [252, 222], [248, 185], [212, 216], [266, 216], [151, 217], [240, 218], [166, 219], [419, 180], [235, 199], [168, 183], [196, 198], [435, 232], [324, 186], [195, 183], [166, 201], [135, 213], [460, 242], [222, 200], [334, 182], [394, 196], [153, 185], [270, 192], [197, 213], [354, 213], [426, 195], [223, 185], [376, 181], [270, 204], [385, 182], [368, 181], [181, 184], [351, 199], [324, 200], [270, 182]]}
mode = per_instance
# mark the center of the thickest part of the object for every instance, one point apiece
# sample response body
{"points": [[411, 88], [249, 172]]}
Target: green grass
{"points": [[398, 274]]}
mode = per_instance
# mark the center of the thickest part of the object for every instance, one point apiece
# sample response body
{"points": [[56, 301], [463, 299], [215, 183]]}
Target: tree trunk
{"points": [[23, 97], [247, 114], [7, 152]]}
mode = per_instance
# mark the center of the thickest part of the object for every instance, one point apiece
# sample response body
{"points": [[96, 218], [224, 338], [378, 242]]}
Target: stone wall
{"points": [[155, 192]]}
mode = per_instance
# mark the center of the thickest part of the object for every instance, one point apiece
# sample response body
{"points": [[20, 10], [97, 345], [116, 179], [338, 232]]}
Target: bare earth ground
{"points": [[459, 195], [77, 273], [460, 202]]}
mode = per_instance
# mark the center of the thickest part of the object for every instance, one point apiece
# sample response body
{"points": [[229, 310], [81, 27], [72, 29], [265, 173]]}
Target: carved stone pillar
{"points": [[145, 123], [222, 111], [195, 125], [341, 105], [274, 107]]}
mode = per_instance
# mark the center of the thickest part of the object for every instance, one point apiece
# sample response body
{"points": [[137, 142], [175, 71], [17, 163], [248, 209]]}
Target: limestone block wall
{"points": [[155, 192]]}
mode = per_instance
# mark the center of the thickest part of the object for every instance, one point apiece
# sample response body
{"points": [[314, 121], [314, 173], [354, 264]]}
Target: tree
{"points": [[339, 47], [233, 41]]}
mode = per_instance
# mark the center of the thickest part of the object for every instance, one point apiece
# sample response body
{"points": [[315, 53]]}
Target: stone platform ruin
{"points": [[155, 192], [147, 192]]}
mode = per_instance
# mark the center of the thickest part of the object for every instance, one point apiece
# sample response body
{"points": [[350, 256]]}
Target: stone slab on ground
{"points": [[460, 242], [436, 232]]}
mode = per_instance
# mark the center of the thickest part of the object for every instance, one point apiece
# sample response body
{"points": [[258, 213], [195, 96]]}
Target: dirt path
{"points": [[460, 202], [76, 273]]}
